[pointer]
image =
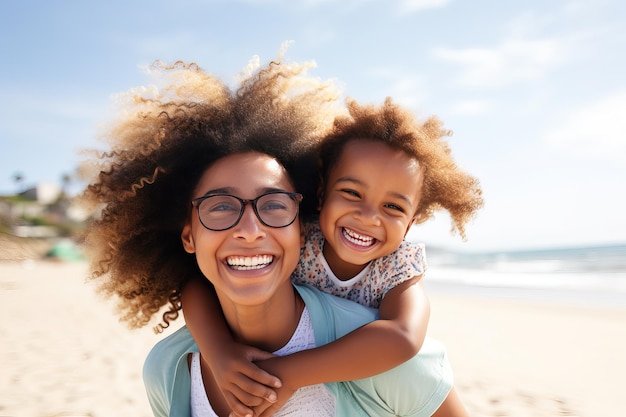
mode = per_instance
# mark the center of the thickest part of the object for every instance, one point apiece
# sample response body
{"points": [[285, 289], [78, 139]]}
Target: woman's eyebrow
{"points": [[233, 190], [223, 190]]}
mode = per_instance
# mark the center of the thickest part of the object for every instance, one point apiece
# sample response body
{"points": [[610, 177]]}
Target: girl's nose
{"points": [[368, 215]]}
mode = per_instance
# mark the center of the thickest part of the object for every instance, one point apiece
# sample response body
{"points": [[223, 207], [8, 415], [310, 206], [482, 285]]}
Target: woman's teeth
{"points": [[249, 262]]}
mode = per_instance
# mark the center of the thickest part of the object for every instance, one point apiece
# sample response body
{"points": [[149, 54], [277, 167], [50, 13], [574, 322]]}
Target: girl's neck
{"points": [[342, 269], [269, 326]]}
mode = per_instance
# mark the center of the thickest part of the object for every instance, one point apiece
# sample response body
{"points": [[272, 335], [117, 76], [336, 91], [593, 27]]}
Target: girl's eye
{"points": [[350, 192], [395, 208]]}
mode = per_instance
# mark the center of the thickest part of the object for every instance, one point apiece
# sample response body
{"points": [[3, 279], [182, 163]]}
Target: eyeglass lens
{"points": [[221, 212]]}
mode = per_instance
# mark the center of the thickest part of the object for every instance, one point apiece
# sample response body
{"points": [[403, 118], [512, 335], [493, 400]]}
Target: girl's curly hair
{"points": [[159, 149], [445, 185]]}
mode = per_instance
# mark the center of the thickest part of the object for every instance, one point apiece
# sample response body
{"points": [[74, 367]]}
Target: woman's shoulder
{"points": [[165, 386], [332, 312], [166, 353]]}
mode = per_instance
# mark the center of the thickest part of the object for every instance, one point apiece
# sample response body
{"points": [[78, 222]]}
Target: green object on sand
{"points": [[65, 250]]}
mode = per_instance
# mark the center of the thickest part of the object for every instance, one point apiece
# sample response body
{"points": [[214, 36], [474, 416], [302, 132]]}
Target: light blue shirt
{"points": [[415, 388]]}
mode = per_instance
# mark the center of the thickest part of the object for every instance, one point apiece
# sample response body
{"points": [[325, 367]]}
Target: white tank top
{"points": [[310, 401]]}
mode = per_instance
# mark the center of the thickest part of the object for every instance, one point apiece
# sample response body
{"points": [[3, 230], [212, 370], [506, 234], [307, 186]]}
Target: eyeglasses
{"points": [[219, 212]]}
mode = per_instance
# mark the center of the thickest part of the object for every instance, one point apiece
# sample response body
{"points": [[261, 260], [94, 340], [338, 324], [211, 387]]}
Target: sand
{"points": [[528, 359], [64, 353]]}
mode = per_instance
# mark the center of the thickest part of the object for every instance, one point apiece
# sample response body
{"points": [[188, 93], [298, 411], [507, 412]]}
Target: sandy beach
{"points": [[64, 353]]}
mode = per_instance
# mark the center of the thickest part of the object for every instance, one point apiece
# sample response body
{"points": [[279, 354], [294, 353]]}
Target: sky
{"points": [[534, 91]]}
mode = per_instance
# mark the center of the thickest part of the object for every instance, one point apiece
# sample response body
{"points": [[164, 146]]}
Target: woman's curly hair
{"points": [[445, 185], [159, 149]]}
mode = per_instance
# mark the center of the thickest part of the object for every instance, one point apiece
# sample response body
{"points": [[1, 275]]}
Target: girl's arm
{"points": [[369, 350], [243, 384]]}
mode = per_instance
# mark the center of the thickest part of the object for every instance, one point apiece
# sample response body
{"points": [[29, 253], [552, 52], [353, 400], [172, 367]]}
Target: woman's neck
{"points": [[268, 326]]}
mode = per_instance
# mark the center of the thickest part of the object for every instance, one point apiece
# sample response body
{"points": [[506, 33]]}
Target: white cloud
{"points": [[317, 33], [512, 61], [307, 5], [166, 47], [54, 114], [412, 6], [595, 131], [406, 88], [472, 107]]}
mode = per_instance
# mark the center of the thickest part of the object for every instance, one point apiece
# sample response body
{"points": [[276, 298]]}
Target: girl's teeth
{"points": [[357, 238], [249, 262]]}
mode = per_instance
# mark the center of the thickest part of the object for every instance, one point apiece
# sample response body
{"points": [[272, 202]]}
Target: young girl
{"points": [[381, 173]]}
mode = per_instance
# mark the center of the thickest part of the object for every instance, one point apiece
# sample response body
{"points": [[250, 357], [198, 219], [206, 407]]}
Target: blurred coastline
{"points": [[592, 275]]}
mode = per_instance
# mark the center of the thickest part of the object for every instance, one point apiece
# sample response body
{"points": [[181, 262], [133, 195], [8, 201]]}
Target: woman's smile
{"points": [[246, 263]]}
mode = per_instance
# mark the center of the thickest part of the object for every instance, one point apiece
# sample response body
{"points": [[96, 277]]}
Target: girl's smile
{"points": [[358, 239]]}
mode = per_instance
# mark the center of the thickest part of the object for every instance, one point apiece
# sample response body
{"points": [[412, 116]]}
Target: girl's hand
{"points": [[268, 409], [283, 393], [243, 384]]}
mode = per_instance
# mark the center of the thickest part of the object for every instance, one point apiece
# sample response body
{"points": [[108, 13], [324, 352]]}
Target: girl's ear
{"points": [[302, 234], [320, 195], [187, 239]]}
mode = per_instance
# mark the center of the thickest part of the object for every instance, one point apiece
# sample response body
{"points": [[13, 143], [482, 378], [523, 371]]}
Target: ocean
{"points": [[594, 275]]}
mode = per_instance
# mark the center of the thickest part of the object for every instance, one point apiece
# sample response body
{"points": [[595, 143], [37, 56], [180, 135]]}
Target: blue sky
{"points": [[534, 91]]}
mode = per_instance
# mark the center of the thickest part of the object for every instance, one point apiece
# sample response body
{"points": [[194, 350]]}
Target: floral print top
{"points": [[370, 285]]}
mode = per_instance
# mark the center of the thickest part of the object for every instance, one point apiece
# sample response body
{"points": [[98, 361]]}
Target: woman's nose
{"points": [[249, 227]]}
